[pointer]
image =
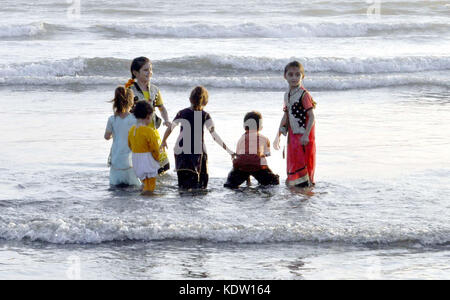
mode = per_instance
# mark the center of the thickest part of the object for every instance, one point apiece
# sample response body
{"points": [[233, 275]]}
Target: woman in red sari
{"points": [[298, 123]]}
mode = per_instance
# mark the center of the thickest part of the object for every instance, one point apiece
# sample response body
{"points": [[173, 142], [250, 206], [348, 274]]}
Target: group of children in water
{"points": [[138, 155]]}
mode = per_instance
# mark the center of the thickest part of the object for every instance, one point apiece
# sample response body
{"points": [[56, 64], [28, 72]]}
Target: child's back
{"points": [[257, 144], [191, 158], [118, 125], [252, 150], [120, 152], [143, 142]]}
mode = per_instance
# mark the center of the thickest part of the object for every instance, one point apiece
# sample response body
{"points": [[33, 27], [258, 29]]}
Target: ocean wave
{"points": [[32, 30], [227, 65], [68, 67], [243, 82], [253, 30], [351, 65], [28, 30], [96, 231]]}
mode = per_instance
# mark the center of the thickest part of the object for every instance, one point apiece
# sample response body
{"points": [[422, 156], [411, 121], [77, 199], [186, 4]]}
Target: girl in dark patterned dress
{"points": [[191, 158]]}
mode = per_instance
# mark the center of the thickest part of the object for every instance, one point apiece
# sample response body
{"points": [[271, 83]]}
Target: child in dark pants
{"points": [[252, 150], [191, 159]]}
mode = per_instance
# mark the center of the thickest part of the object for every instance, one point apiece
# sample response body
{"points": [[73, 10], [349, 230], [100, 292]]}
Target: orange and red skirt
{"points": [[301, 159]]}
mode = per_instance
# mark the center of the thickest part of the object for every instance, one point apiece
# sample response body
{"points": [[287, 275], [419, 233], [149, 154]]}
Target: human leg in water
{"points": [[149, 185]]}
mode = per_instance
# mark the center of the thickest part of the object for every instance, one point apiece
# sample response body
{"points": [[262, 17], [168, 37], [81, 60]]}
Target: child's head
{"points": [[143, 110], [199, 97], [141, 69], [294, 73], [123, 100], [253, 121]]}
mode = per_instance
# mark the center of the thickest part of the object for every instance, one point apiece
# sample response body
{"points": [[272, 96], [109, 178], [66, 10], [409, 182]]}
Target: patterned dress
{"points": [[301, 159]]}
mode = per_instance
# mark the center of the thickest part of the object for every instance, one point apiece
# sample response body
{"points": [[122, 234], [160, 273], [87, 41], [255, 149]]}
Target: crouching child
{"points": [[252, 150]]}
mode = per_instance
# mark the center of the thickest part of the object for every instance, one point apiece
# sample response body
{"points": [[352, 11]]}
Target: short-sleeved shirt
{"points": [[191, 138], [297, 109], [120, 152], [143, 139]]}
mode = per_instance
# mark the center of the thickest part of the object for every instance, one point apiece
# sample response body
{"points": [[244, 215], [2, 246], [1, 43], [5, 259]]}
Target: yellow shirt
{"points": [[158, 103], [145, 140], [158, 98]]}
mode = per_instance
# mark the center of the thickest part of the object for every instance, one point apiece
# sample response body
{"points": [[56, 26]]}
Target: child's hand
{"points": [[163, 146], [304, 140], [168, 124], [276, 143]]}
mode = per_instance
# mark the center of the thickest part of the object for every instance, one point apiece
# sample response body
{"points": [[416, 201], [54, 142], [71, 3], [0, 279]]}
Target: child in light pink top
{"points": [[251, 153]]}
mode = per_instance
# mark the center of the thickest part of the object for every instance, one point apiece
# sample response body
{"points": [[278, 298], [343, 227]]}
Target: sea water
{"points": [[379, 72]]}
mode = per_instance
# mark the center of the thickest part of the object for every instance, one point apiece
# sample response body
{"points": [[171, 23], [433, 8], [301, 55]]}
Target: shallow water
{"points": [[380, 208]]}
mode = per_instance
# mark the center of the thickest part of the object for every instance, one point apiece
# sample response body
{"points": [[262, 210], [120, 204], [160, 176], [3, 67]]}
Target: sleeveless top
{"points": [[153, 94], [296, 110]]}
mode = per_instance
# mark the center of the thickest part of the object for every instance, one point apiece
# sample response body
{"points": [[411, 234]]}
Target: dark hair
{"points": [[137, 64], [295, 64], [253, 115], [123, 99], [199, 97], [142, 109]]}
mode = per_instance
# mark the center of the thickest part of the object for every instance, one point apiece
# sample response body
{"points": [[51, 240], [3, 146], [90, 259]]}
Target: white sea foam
{"points": [[351, 65], [62, 231], [113, 67], [316, 83], [242, 30], [23, 30]]}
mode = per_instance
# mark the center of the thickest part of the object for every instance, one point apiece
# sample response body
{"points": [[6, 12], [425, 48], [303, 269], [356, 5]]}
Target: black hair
{"points": [[142, 109], [256, 117], [138, 63]]}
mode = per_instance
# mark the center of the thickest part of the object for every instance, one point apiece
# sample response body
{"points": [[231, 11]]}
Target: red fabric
{"points": [[307, 101], [301, 160], [246, 161]]}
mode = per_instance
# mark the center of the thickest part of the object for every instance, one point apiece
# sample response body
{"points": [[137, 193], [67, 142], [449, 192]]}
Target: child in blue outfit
{"points": [[121, 168]]}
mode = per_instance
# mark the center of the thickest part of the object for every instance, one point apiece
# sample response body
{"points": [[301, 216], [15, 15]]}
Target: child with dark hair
{"points": [[121, 170], [143, 142], [141, 73], [298, 123], [252, 150], [191, 158]]}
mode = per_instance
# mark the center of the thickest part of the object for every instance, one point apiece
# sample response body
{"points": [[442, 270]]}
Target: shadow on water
{"points": [[123, 190]]}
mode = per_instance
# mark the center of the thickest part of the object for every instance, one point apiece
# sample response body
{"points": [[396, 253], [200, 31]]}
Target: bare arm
{"points": [[164, 115], [219, 141], [283, 122], [108, 135], [166, 136]]}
